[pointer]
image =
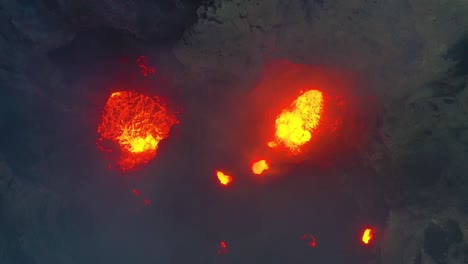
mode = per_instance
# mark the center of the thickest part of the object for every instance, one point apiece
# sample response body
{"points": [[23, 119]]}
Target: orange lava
{"points": [[260, 166], [224, 179], [137, 123], [295, 125], [367, 236]]}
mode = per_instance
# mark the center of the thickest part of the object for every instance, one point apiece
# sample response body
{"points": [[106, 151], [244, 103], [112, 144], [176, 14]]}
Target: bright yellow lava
{"points": [[224, 179], [294, 126], [260, 166], [139, 144], [367, 236]]}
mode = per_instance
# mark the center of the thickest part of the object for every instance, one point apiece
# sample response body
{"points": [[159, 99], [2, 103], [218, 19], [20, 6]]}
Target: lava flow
{"points": [[303, 112], [137, 123], [367, 236], [295, 125], [260, 166], [224, 179]]}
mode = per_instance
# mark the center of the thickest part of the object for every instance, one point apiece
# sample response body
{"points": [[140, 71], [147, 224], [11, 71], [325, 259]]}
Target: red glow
{"points": [[223, 178], [146, 202], [137, 123], [145, 69], [311, 240], [260, 166], [304, 112], [222, 248], [136, 192], [123, 60], [367, 236]]}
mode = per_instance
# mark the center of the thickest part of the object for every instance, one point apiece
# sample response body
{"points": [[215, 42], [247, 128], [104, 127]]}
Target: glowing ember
{"points": [[294, 126], [146, 202], [260, 166], [136, 192], [145, 69], [224, 179], [312, 241], [367, 236], [137, 123], [222, 248]]}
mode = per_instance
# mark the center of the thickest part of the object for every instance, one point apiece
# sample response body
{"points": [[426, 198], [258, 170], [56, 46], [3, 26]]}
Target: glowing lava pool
{"points": [[136, 123], [295, 125], [304, 112]]}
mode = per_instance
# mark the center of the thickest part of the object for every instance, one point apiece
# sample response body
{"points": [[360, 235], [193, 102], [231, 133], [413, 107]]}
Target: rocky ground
{"points": [[57, 54]]}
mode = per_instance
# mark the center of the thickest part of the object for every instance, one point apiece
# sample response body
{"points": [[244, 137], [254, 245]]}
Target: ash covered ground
{"points": [[59, 203]]}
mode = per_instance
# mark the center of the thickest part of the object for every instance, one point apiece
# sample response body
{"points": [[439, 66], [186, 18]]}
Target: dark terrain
{"points": [[59, 203]]}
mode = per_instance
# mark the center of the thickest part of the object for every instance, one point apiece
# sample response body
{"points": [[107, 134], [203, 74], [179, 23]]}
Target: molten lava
{"points": [[260, 166], [137, 123], [295, 125], [367, 236], [224, 179]]}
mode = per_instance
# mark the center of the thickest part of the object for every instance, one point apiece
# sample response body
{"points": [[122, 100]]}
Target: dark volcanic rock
{"points": [[59, 204], [439, 237]]}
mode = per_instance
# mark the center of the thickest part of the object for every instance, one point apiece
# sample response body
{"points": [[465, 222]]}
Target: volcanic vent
{"points": [[137, 123]]}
